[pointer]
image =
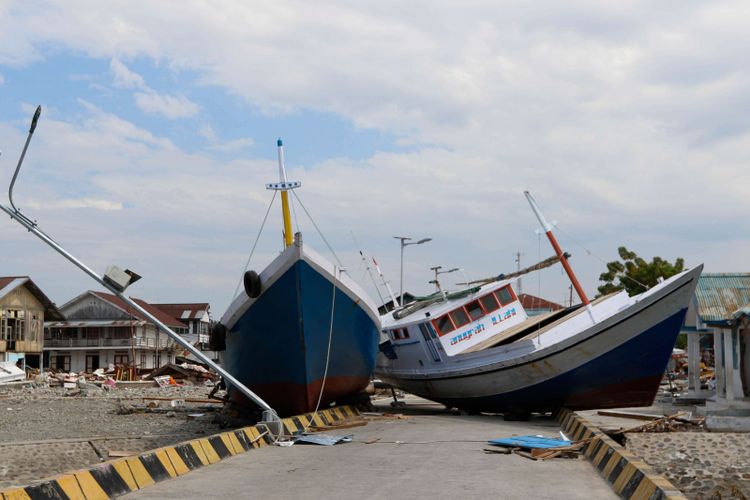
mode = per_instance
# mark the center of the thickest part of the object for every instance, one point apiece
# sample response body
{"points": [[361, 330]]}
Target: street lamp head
{"points": [[424, 240], [453, 270]]}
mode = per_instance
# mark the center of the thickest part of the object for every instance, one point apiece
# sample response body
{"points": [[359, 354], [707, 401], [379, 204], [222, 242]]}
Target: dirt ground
{"points": [[46, 431]]}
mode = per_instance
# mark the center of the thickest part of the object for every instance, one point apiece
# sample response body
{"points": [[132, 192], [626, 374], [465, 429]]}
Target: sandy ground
{"points": [[46, 431]]}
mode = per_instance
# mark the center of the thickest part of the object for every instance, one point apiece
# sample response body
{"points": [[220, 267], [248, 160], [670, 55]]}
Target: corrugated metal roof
{"points": [[719, 295]]}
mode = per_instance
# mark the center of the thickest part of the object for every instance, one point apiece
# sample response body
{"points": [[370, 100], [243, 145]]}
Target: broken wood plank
{"points": [[627, 414], [214, 401]]}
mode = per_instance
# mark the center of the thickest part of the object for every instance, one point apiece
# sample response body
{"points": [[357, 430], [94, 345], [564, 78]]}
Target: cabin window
{"points": [[489, 303], [459, 317], [395, 334], [474, 310], [504, 295], [405, 333], [444, 325]]}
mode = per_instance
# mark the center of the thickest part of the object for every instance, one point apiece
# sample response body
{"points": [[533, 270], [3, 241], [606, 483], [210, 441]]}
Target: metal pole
{"points": [[177, 338], [401, 281]]}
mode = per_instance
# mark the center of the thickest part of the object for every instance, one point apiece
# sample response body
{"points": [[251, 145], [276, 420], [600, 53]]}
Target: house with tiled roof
{"points": [[536, 305], [23, 310], [195, 317], [100, 329]]}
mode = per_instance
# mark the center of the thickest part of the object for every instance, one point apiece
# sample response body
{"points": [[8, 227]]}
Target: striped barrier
{"points": [[629, 476], [119, 477]]}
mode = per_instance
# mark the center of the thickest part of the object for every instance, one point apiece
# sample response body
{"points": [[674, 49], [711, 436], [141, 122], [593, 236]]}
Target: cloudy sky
{"points": [[627, 120]]}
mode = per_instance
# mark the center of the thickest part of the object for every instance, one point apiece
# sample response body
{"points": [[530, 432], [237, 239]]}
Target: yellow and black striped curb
{"points": [[118, 477], [629, 476]]}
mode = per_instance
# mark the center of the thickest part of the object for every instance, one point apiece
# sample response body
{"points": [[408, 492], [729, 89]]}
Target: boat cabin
{"points": [[457, 324]]}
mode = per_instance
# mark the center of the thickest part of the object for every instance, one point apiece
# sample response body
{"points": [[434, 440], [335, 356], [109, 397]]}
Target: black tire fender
{"points": [[251, 280]]}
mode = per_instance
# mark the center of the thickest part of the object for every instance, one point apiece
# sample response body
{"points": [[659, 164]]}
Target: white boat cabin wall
{"points": [[460, 324]]}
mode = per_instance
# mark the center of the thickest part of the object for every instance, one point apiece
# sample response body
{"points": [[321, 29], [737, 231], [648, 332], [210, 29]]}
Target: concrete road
{"points": [[429, 454]]}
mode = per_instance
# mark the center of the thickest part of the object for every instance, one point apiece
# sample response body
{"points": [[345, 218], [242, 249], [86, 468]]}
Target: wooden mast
{"points": [[556, 246]]}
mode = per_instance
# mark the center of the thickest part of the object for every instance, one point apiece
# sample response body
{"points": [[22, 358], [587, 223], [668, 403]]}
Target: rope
{"points": [[318, 229], [328, 353], [247, 263]]}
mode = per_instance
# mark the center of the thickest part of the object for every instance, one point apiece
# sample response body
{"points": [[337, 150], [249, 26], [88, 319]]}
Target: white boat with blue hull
{"points": [[302, 333], [478, 350]]}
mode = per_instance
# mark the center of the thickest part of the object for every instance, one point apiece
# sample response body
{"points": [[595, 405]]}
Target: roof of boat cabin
{"points": [[439, 308], [720, 295]]}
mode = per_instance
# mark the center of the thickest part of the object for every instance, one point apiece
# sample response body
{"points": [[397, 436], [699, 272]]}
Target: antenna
{"points": [[367, 266]]}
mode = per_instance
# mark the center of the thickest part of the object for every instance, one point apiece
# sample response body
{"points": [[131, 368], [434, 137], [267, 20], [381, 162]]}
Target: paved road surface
{"points": [[430, 455]]}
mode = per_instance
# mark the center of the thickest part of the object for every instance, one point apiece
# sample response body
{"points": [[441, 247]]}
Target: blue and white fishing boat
{"points": [[478, 350], [302, 333]]}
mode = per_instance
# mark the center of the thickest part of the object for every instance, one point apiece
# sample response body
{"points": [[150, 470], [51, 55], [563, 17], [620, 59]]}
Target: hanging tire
{"points": [[251, 280]]}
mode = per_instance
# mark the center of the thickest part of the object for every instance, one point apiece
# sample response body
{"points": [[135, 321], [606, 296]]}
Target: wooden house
{"points": [[23, 311]]}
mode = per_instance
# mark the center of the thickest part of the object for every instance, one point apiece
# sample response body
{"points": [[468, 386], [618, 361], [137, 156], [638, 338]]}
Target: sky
{"points": [[627, 120]]}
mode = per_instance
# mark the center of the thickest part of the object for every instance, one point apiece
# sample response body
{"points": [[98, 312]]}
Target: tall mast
{"points": [[386, 283], [284, 185], [553, 241], [284, 198]]}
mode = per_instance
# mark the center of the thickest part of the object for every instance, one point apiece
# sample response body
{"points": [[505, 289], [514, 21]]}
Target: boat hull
{"points": [[618, 362], [278, 343]]}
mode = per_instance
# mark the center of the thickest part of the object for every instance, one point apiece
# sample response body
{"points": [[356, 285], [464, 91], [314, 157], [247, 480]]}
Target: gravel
{"points": [[45, 431]]}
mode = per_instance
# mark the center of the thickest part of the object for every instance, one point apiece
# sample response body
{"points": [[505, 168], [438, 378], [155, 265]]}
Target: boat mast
{"points": [[556, 246], [387, 284], [284, 198], [284, 185]]}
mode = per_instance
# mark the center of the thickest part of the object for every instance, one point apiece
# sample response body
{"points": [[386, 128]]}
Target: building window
{"points": [[92, 361], [62, 362], [121, 359], [12, 324]]}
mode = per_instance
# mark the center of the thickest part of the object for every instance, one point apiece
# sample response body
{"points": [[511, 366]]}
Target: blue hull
{"points": [[628, 375], [278, 346]]}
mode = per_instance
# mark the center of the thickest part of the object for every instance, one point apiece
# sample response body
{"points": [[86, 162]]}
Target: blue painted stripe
{"points": [[643, 357]]}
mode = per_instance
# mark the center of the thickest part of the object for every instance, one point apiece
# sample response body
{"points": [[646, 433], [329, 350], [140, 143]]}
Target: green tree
{"points": [[634, 274]]}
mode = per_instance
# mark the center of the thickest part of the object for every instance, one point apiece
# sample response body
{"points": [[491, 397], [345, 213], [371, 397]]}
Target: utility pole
{"points": [[518, 268]]}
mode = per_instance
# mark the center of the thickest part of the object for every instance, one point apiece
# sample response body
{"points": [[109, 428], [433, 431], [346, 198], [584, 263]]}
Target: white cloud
{"points": [[171, 107], [124, 77], [215, 143], [147, 99], [94, 203]]}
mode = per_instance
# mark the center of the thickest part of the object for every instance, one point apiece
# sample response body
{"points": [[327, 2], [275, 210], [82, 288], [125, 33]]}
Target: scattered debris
{"points": [[323, 439], [9, 372], [669, 423], [345, 424], [538, 447], [628, 414]]}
